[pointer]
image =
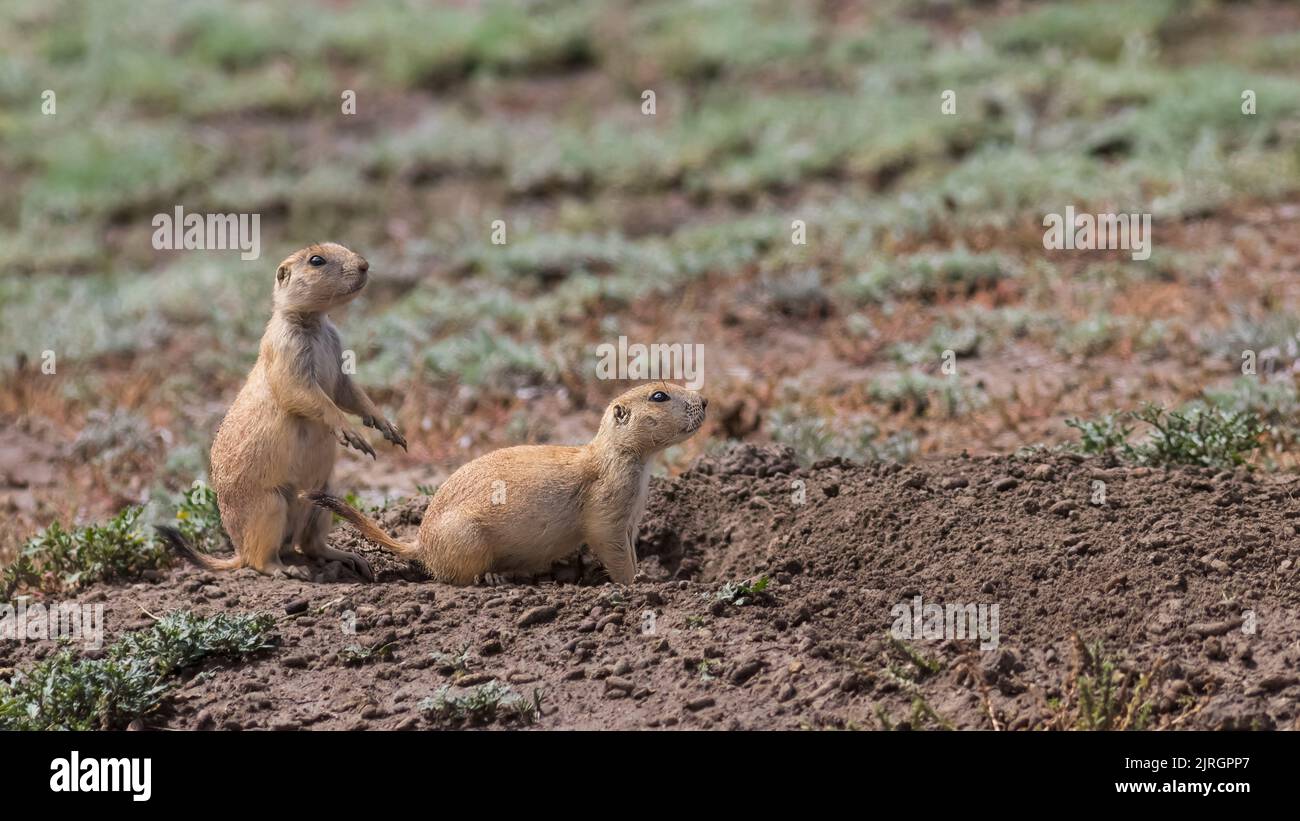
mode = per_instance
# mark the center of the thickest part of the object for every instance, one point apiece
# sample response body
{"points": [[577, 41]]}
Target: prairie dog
{"points": [[277, 440], [521, 509]]}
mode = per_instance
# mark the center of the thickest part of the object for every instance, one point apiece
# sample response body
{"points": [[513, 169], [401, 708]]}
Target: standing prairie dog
{"points": [[277, 440], [521, 509]]}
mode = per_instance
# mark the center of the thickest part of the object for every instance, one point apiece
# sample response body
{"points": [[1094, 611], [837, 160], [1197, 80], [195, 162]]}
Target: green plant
{"points": [[1275, 403], [355, 655], [132, 678], [1103, 435], [923, 715], [1198, 435], [925, 666], [60, 560], [1108, 699], [199, 519], [483, 704], [449, 663], [750, 591]]}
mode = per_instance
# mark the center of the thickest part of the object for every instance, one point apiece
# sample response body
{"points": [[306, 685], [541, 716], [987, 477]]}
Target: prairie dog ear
{"points": [[282, 273], [621, 414]]}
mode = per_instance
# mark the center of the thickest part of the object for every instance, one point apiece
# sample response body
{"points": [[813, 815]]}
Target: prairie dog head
{"points": [[649, 418], [319, 277]]}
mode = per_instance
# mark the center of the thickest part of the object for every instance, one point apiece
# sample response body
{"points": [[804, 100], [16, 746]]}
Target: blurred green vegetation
{"points": [[531, 113]]}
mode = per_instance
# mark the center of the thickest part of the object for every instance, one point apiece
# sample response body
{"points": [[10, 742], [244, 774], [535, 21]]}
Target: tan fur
{"points": [[521, 509], [278, 438]]}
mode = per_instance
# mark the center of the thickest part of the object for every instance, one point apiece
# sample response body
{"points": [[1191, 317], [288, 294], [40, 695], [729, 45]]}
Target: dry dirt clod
{"points": [[538, 615]]}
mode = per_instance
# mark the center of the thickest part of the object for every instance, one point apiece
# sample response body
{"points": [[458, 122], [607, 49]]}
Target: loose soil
{"points": [[1185, 578]]}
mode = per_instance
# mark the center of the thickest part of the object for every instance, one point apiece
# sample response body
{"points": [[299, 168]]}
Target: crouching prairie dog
{"points": [[521, 509], [278, 438]]}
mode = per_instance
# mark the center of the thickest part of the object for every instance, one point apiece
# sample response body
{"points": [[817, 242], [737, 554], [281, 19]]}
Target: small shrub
{"points": [[1199, 435], [62, 560], [1102, 435], [745, 592], [355, 655], [483, 705], [450, 663], [132, 678]]}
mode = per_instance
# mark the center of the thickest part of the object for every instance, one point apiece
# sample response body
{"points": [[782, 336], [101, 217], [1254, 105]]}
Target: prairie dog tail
{"points": [[186, 551], [366, 526]]}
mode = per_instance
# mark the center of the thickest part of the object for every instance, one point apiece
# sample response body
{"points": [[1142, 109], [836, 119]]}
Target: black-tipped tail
{"points": [[366, 526], [179, 545]]}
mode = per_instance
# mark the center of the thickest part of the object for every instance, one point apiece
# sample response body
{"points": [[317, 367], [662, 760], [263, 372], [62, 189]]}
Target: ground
{"points": [[924, 237], [1179, 590]]}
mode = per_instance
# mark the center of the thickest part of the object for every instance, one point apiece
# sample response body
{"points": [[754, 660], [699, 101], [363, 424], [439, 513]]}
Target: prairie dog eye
{"points": [[316, 260], [658, 396]]}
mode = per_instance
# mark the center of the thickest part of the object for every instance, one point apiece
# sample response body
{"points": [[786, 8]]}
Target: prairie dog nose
{"points": [[363, 264]]}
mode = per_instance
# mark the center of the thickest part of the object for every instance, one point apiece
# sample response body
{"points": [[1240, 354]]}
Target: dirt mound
{"points": [[771, 601]]}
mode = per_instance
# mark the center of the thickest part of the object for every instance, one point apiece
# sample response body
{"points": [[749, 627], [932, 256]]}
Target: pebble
{"points": [[538, 615], [746, 671], [1062, 508]]}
